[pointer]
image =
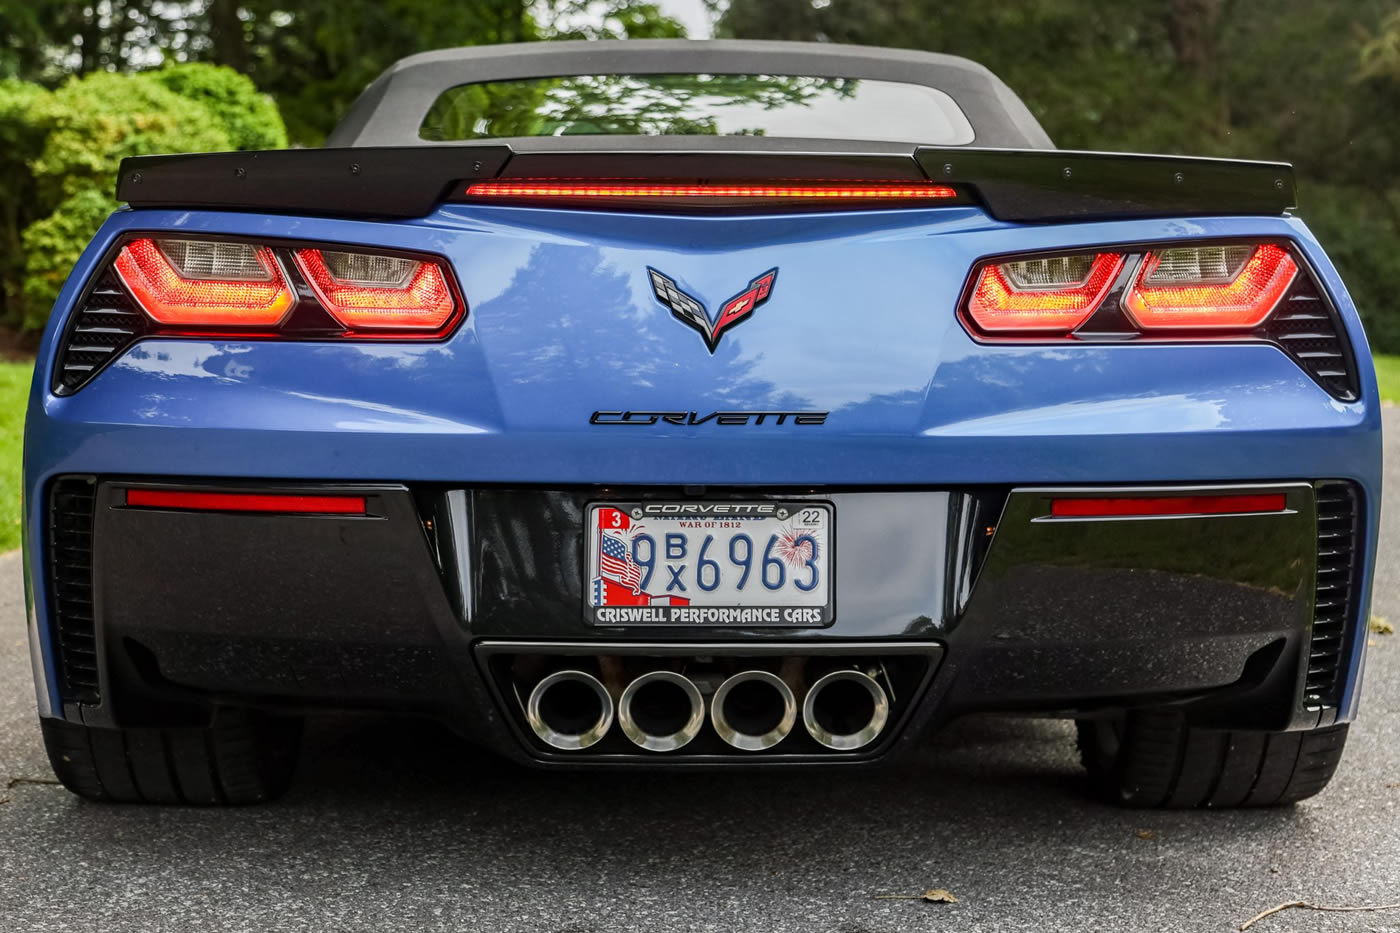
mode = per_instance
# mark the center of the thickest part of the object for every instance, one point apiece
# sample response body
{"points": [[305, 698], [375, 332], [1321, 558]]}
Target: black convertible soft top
{"points": [[391, 110]]}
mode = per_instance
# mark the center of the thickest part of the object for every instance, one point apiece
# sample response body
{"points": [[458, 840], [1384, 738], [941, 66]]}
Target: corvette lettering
{"points": [[685, 418], [710, 508]]}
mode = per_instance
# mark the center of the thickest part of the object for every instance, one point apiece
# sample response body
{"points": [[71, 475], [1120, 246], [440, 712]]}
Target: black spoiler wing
{"points": [[1019, 185]]}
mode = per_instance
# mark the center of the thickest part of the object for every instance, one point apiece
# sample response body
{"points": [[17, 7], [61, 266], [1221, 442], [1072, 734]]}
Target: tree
{"points": [[59, 153], [1298, 82]]}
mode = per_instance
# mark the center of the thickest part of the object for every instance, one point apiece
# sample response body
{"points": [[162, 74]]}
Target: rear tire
{"points": [[1152, 758], [240, 758]]}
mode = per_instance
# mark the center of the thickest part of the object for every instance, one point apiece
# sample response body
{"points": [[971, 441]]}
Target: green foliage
{"points": [[53, 245], [1388, 377], [249, 118], [22, 131], [59, 153], [605, 19], [634, 105], [14, 390], [316, 56], [96, 121], [1314, 82]]}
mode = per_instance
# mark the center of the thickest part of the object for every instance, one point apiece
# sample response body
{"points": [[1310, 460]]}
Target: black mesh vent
{"points": [[71, 503], [106, 324], [1307, 329], [1334, 606]]}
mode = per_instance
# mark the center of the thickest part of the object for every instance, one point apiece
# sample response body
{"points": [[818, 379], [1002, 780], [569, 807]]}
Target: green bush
{"points": [[249, 118], [98, 120], [53, 245], [22, 132], [1357, 228], [59, 153]]}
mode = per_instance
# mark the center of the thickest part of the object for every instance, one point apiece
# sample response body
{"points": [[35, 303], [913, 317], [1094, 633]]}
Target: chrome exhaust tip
{"points": [[753, 710], [569, 710], [661, 711], [845, 710]]}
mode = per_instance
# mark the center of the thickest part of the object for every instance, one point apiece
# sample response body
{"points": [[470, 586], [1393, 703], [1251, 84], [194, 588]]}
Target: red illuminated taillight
{"points": [[216, 283], [370, 291], [1056, 293], [565, 190], [1234, 286], [1203, 287], [228, 285]]}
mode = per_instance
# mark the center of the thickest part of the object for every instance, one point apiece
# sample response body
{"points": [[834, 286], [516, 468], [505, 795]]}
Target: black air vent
{"points": [[1307, 328], [71, 502], [1334, 607], [106, 324]]}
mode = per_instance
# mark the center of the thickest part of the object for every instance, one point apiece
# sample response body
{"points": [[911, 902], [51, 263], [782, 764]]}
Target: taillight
{"points": [[1216, 287], [1237, 290], [369, 291], [205, 282], [250, 288], [1055, 293], [1234, 286]]}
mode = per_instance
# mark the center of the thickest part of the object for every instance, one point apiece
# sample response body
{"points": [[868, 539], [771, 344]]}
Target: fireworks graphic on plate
{"points": [[796, 547]]}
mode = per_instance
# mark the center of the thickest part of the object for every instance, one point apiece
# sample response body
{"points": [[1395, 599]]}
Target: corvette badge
{"points": [[689, 310]]}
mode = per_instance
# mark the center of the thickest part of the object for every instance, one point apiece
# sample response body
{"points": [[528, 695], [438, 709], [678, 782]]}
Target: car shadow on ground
{"points": [[388, 812], [980, 776]]}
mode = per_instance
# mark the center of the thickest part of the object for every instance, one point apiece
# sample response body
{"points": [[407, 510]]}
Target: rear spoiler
{"points": [[1018, 185]]}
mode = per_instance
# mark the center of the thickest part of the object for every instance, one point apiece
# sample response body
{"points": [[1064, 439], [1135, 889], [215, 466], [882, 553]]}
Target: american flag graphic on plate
{"points": [[615, 560], [711, 563]]}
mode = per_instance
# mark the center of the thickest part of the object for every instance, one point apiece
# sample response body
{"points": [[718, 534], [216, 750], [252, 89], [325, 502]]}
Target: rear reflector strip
{"points": [[245, 502], [551, 189], [1167, 505]]}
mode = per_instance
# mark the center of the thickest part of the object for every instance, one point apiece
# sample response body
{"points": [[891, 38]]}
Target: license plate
{"points": [[710, 563]]}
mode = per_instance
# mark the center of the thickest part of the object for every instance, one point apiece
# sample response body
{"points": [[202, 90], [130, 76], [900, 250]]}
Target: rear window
{"points": [[698, 105]]}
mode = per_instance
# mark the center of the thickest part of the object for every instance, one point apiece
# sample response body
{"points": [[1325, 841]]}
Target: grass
{"points": [[14, 393], [1388, 375]]}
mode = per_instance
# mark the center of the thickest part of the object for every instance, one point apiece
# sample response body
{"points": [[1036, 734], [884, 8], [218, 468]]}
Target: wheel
{"points": [[1151, 758], [240, 758]]}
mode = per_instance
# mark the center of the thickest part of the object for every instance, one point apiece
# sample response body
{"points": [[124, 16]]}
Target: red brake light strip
{"points": [[1139, 507], [245, 502], [563, 189]]}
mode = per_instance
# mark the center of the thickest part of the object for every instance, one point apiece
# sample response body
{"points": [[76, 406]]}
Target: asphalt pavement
{"points": [[394, 825]]}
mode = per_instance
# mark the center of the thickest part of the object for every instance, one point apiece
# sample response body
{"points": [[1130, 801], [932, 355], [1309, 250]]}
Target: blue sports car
{"points": [[672, 404]]}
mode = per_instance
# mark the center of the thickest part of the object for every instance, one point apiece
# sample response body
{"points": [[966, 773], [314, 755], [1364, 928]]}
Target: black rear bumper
{"points": [[1007, 608]]}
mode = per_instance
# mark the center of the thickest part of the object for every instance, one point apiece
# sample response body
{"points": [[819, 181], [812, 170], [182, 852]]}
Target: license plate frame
{"points": [[614, 596]]}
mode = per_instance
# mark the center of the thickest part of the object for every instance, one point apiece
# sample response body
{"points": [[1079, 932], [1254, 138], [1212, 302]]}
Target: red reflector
{"points": [[245, 502], [536, 188], [1167, 505]]}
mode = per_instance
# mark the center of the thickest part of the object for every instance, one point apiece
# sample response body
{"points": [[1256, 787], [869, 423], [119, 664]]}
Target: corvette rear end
{"points": [[702, 450]]}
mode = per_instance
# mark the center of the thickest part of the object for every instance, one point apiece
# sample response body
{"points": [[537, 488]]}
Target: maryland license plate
{"points": [[710, 563]]}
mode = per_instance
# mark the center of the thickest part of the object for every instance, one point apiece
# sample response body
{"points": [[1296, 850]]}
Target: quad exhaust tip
{"points": [[845, 710], [753, 710], [570, 710], [661, 711]]}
